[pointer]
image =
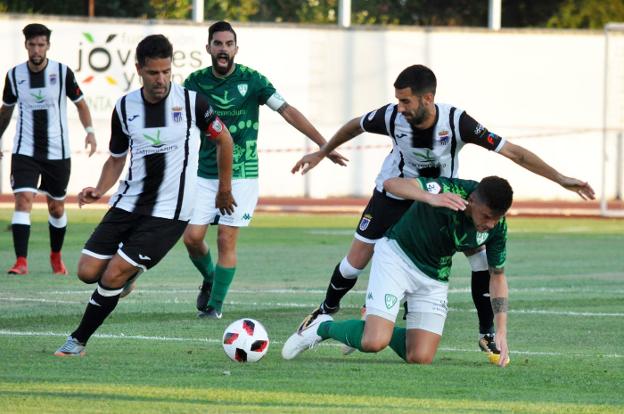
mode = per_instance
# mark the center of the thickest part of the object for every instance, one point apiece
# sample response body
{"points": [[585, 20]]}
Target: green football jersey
{"points": [[236, 99], [429, 236]]}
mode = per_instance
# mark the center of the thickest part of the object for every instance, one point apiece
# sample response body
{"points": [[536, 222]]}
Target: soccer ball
{"points": [[245, 340]]}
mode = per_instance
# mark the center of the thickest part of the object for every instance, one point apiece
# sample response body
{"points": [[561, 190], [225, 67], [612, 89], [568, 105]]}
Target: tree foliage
{"points": [[591, 14]]}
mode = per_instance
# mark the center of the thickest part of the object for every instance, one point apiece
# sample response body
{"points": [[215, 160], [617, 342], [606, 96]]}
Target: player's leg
{"points": [[54, 180], [199, 253], [379, 215], [245, 192], [427, 300], [24, 178], [480, 287], [384, 293]]}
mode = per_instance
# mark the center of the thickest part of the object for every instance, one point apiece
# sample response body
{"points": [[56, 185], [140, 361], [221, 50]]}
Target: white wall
{"points": [[540, 89]]}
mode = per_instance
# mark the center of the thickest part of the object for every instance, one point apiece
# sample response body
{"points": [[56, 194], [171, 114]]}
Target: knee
{"points": [[373, 344], [421, 358], [225, 241], [190, 239], [87, 273], [56, 210]]}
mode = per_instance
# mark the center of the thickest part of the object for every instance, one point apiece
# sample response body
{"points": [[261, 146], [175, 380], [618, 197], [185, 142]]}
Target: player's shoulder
{"points": [[199, 75], [247, 72], [447, 108]]}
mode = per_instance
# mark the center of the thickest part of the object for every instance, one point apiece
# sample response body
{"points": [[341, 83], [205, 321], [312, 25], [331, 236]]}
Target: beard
{"points": [[37, 60], [418, 117], [220, 69]]}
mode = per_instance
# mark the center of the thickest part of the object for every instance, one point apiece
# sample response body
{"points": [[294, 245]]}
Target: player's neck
{"points": [[37, 68]]}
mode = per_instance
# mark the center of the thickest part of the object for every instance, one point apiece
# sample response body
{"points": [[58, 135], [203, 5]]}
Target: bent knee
{"points": [[419, 358], [373, 345], [87, 274]]}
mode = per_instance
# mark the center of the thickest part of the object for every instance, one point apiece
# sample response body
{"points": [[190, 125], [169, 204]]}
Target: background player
{"points": [[41, 144], [236, 92]]}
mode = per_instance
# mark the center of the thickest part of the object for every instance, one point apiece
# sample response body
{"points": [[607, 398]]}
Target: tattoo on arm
{"points": [[282, 108], [500, 305]]}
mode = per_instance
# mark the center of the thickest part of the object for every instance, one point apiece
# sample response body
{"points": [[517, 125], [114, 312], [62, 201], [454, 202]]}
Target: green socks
{"points": [[205, 266], [397, 342], [350, 333], [223, 277]]}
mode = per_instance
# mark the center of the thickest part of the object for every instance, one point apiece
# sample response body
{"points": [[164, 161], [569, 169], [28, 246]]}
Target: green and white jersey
{"points": [[236, 99], [430, 236]]}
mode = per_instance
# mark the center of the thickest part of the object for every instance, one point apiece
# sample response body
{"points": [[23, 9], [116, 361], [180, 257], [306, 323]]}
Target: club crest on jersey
{"points": [[434, 188], [443, 137], [242, 89], [482, 237], [364, 222], [177, 114], [52, 78]]}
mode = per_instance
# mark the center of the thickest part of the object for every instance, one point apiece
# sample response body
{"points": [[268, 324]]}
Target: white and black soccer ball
{"points": [[245, 340]]}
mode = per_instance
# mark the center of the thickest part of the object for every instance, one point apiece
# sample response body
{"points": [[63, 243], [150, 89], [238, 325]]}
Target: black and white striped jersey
{"points": [[163, 140], [41, 130], [426, 153]]}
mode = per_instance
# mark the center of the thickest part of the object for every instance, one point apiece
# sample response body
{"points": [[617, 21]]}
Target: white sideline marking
{"points": [[218, 341], [312, 305]]}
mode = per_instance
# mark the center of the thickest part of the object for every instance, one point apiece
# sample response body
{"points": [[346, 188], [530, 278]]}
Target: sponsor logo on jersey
{"points": [[364, 222], [247, 216], [222, 103], [155, 141], [370, 295], [391, 300], [433, 187], [144, 257], [177, 113], [242, 89], [52, 78], [371, 115], [19, 82], [490, 138], [482, 237], [39, 96], [132, 118]]}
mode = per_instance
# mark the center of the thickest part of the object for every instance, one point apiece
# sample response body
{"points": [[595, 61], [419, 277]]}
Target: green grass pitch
{"points": [[566, 330]]}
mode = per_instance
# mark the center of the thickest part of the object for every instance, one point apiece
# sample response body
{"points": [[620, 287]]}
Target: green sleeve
{"points": [[265, 88], [496, 245]]}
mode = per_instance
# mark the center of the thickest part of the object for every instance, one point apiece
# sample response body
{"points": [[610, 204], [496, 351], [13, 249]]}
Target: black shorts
{"points": [[141, 240], [380, 214], [25, 173]]}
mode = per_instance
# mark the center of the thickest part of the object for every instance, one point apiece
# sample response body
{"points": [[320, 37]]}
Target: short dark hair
{"points": [[496, 193], [220, 26], [152, 47], [36, 29], [419, 78]]}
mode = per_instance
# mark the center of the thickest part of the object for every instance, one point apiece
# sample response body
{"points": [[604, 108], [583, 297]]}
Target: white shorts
{"points": [[392, 278], [245, 192]]}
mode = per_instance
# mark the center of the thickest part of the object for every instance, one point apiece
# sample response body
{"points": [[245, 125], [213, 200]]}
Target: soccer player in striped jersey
{"points": [[40, 87], [159, 126], [236, 92], [426, 138], [413, 262]]}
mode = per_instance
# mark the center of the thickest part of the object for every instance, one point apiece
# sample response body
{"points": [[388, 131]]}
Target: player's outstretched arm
{"points": [[85, 120], [535, 164], [295, 118], [499, 296], [347, 132], [111, 171], [411, 188], [225, 146]]}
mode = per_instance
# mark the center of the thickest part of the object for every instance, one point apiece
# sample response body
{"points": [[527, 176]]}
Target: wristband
{"points": [[89, 130]]}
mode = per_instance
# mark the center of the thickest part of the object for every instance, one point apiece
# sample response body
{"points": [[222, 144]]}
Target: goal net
{"points": [[611, 204]]}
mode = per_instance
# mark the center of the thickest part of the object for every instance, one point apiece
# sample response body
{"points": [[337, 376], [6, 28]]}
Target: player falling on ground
{"points": [[426, 139], [159, 125], [413, 262], [236, 92], [41, 145]]}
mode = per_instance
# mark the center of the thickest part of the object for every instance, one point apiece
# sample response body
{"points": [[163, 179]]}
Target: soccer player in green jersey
{"points": [[235, 92], [413, 261]]}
